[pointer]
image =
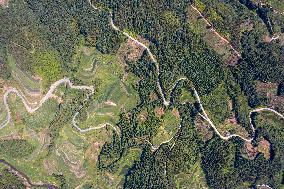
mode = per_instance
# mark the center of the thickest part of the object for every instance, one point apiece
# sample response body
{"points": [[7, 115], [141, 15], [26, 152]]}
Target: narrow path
{"points": [[166, 102]]}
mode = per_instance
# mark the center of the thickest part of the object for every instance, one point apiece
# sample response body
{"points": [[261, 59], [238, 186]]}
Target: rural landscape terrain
{"points": [[150, 94]]}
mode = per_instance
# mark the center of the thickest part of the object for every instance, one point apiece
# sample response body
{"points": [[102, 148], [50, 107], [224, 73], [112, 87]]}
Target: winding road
{"points": [[166, 102], [47, 96]]}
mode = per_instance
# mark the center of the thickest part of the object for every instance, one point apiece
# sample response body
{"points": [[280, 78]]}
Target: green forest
{"points": [[56, 39]]}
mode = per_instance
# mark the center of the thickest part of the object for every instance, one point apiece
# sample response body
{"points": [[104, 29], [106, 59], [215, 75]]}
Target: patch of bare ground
{"points": [[14, 136], [250, 150], [263, 147], [175, 112], [212, 38], [276, 102], [50, 166], [153, 97], [92, 153], [4, 2], [130, 51], [203, 128], [269, 90], [159, 112], [142, 117], [232, 59], [231, 126], [266, 89]]}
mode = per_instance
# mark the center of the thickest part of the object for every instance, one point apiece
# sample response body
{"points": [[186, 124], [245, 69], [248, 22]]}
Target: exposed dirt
{"points": [[203, 129], [50, 167], [276, 102], [264, 147], [266, 89], [175, 112], [14, 136], [251, 151], [159, 112], [93, 151], [232, 59], [143, 116], [153, 96], [130, 51], [3, 2], [269, 90]]}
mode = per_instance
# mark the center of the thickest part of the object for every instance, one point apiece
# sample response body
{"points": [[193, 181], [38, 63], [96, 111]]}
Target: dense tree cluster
{"points": [[179, 52], [261, 61]]}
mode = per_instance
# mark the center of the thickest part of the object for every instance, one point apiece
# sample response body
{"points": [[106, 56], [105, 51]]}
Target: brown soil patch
{"points": [[4, 2], [130, 51], [93, 152], [153, 96], [251, 151], [49, 166], [269, 90], [203, 129], [232, 59], [232, 121], [266, 89], [231, 126], [142, 117], [18, 117], [264, 147], [15, 136], [159, 112], [276, 102], [175, 112]]}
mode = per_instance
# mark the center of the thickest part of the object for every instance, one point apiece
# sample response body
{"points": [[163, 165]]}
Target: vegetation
{"points": [[150, 145], [9, 180], [16, 148]]}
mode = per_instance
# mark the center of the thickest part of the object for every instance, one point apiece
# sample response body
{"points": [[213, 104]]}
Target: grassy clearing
{"points": [[168, 127], [186, 96], [193, 179], [114, 87]]}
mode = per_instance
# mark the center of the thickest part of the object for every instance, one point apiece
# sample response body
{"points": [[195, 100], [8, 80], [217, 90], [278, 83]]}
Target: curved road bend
{"points": [[48, 95], [167, 103]]}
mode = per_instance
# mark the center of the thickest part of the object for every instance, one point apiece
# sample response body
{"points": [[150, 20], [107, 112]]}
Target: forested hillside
{"points": [[135, 94]]}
